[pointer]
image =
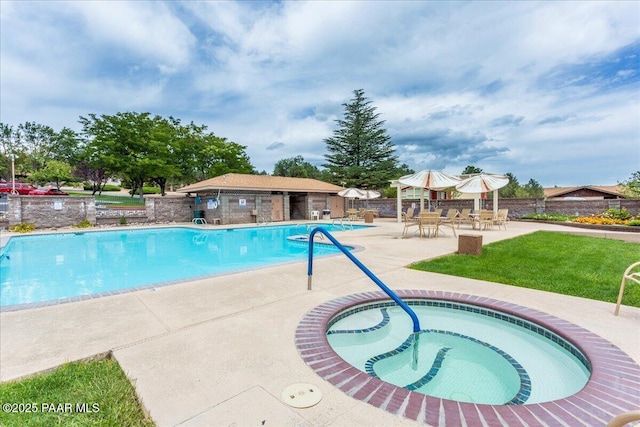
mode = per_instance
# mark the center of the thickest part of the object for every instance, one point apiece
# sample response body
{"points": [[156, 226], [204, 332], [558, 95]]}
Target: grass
{"points": [[90, 393], [587, 267], [109, 200]]}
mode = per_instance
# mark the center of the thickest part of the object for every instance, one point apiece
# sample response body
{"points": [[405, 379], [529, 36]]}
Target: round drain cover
{"points": [[301, 395]]}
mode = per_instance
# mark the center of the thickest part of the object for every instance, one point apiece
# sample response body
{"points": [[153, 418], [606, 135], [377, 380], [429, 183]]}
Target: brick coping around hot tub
{"points": [[613, 388]]}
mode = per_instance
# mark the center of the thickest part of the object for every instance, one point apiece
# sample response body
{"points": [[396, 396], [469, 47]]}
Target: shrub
{"points": [[609, 217], [146, 190], [108, 187], [23, 227], [634, 223], [123, 220], [85, 223], [548, 217], [621, 214]]}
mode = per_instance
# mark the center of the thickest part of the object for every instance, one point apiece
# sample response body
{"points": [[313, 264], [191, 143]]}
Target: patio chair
{"points": [[409, 221], [502, 218], [450, 220], [352, 214], [465, 216], [485, 220], [429, 221], [624, 419], [630, 275]]}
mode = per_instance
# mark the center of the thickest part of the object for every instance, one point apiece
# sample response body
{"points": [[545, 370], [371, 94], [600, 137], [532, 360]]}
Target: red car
{"points": [[47, 192], [20, 187]]}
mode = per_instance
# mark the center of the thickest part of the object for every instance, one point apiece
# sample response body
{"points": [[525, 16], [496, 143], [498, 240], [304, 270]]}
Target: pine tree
{"points": [[361, 153]]}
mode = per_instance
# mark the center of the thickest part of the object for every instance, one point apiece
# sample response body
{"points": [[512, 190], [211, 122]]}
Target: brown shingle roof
{"points": [[559, 191], [236, 181]]}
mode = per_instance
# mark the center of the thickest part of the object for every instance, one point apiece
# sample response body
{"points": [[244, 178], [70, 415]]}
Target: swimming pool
{"points": [[64, 266]]}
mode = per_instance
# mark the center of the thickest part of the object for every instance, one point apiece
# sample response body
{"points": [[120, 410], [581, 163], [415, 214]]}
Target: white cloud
{"points": [[148, 30], [532, 88]]}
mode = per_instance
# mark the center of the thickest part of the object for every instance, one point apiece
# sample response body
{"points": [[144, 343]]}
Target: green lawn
{"points": [[586, 267], [93, 393], [110, 200]]}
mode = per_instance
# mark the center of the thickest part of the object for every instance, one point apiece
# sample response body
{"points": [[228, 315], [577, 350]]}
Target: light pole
{"points": [[13, 173]]}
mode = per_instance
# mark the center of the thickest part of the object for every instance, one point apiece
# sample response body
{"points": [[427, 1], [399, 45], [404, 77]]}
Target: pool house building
{"points": [[241, 198]]}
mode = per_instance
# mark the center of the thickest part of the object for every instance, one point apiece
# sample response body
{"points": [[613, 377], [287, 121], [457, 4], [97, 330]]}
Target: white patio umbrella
{"points": [[369, 194], [483, 183], [429, 179], [351, 193], [433, 180]]}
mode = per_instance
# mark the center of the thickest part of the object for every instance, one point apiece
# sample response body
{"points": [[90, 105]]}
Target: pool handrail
{"points": [[340, 222], [388, 291]]}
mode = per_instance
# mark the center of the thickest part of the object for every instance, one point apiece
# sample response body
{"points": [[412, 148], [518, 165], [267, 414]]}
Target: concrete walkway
{"points": [[220, 351]]}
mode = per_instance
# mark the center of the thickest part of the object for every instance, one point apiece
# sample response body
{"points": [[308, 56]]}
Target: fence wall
{"points": [[243, 208], [47, 211], [517, 207]]}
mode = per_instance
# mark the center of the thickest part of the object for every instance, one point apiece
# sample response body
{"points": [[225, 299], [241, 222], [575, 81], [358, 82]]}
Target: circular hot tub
{"points": [[463, 352], [471, 352]]}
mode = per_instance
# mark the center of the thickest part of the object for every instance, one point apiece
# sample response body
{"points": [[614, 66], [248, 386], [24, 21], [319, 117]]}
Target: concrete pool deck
{"points": [[220, 351]]}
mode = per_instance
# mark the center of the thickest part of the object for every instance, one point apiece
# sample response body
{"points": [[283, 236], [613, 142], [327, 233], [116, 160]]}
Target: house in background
{"points": [[241, 198], [589, 192]]}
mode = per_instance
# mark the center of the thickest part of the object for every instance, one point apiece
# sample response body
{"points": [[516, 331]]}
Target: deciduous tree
{"points": [[133, 145], [296, 167], [55, 171], [631, 187]]}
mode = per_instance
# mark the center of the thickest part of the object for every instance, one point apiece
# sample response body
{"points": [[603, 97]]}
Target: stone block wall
{"points": [[45, 211], [55, 212], [170, 209], [317, 202], [517, 207]]}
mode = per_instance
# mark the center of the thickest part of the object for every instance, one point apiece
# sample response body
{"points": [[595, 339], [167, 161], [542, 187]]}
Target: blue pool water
{"points": [[464, 353], [51, 267]]}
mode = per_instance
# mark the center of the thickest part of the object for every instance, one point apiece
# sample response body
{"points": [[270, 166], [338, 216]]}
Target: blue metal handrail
{"points": [[392, 295]]}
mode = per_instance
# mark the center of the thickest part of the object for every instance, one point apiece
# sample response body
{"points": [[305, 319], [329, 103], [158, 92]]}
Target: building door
{"points": [[336, 204], [277, 207], [297, 206]]}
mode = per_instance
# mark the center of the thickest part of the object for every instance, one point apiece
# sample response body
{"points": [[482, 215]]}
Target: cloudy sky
{"points": [[544, 90]]}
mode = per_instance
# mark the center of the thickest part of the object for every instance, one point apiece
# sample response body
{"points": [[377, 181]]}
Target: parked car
{"points": [[21, 187], [47, 192]]}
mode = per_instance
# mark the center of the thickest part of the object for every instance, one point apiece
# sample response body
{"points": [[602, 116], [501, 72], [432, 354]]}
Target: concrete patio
{"points": [[220, 351]]}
